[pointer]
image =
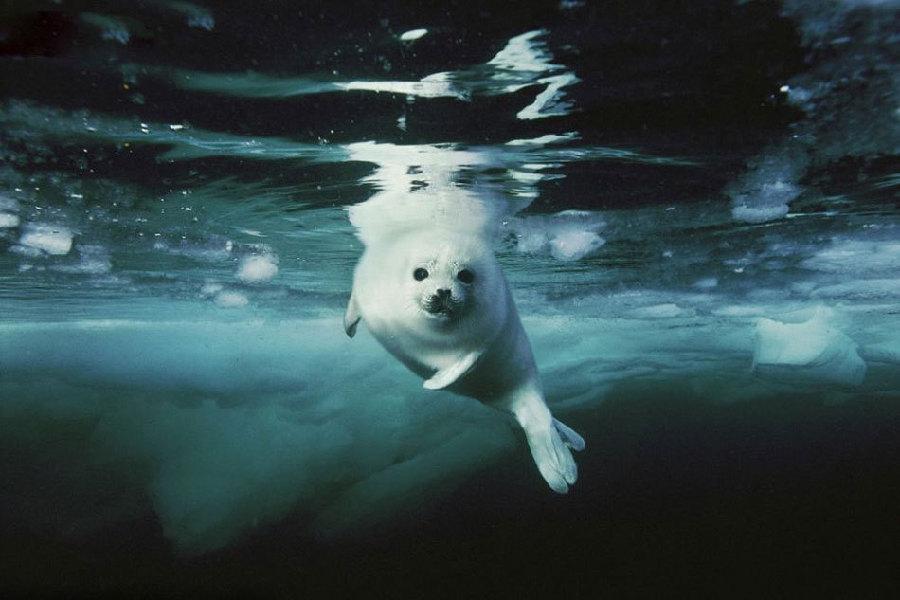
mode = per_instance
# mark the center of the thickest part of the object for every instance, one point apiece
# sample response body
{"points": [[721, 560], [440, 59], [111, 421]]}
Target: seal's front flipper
{"points": [[351, 317], [449, 375]]}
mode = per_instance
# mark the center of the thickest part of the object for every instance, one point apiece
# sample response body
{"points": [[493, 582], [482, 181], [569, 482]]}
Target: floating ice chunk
{"points": [[525, 52], [707, 283], [856, 256], [50, 239], [231, 299], [211, 289], [197, 15], [798, 96], [811, 350], [525, 60], [8, 220], [764, 192], [26, 251], [758, 214], [257, 268], [111, 28], [412, 35], [861, 289], [94, 260], [436, 85], [549, 103], [545, 140], [8, 204], [574, 244], [568, 235], [204, 21], [661, 311]]}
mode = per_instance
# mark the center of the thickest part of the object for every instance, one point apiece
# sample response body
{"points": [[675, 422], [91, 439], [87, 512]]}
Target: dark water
{"points": [[698, 216]]}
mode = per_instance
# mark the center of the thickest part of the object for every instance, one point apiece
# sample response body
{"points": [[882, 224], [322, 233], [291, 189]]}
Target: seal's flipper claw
{"points": [[449, 375], [351, 317]]}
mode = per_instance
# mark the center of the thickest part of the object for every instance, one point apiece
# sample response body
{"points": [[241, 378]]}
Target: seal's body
{"points": [[438, 301]]}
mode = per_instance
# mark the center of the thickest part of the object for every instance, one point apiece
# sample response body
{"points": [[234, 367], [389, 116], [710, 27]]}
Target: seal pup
{"points": [[436, 298]]}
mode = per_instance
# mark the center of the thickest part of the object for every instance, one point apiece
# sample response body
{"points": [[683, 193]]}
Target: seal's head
{"points": [[447, 277]]}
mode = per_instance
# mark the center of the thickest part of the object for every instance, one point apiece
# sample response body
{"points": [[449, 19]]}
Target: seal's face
{"points": [[447, 296], [444, 276]]}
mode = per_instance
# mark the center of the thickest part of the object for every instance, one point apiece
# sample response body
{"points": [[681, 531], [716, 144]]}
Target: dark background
{"points": [[778, 497]]}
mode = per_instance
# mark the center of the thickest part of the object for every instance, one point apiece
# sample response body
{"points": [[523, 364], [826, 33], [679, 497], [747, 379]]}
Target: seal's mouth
{"points": [[441, 305]]}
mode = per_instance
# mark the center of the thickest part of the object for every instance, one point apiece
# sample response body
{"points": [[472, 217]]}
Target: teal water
{"points": [[697, 218]]}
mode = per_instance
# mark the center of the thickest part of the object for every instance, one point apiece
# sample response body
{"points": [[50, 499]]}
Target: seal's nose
{"points": [[440, 302]]}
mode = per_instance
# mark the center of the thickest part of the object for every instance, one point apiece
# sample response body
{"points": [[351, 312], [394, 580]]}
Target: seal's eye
{"points": [[420, 274], [466, 276]]}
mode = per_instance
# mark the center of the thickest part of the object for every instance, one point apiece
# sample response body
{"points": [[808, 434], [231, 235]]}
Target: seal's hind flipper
{"points": [[551, 442], [553, 458], [569, 436], [449, 375], [351, 317]]}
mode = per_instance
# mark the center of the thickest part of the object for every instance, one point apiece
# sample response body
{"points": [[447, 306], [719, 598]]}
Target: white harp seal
{"points": [[436, 299]]}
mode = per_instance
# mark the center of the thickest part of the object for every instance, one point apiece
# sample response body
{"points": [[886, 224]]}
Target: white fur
{"points": [[479, 349]]}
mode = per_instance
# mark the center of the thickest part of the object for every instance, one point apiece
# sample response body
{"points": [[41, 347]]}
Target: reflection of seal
{"points": [[438, 301]]}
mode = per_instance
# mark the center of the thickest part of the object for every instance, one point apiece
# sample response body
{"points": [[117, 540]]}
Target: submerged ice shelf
{"points": [[811, 349], [243, 409]]}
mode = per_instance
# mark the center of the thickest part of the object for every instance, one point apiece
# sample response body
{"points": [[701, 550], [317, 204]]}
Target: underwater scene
{"points": [[451, 299]]}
